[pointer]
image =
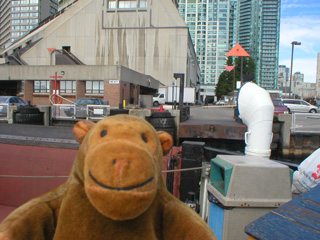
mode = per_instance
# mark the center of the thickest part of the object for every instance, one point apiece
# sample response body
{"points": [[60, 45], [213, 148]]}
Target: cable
{"points": [[164, 171]]}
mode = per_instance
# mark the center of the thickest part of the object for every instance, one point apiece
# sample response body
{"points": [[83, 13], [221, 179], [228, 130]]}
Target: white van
{"points": [[158, 99], [301, 106]]}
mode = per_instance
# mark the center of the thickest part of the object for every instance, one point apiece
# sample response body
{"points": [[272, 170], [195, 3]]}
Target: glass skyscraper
{"points": [[208, 21], [18, 17], [258, 33]]}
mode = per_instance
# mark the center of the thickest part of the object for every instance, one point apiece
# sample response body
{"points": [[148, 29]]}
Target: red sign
{"points": [[229, 68], [51, 49], [238, 51]]}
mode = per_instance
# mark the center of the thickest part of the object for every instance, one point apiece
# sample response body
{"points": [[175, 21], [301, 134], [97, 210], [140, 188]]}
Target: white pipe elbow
{"points": [[256, 111]]}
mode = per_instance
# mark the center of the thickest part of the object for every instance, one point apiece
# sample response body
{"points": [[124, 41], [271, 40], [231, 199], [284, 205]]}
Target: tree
{"points": [[225, 82]]}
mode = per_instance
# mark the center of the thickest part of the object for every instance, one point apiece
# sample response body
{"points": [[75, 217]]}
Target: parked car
{"points": [[300, 106], [279, 107], [221, 102], [9, 100], [81, 107]]}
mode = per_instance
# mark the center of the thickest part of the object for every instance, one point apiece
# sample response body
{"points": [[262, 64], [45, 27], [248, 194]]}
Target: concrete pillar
{"points": [[134, 93], [81, 89], [112, 92], [125, 92], [28, 91]]}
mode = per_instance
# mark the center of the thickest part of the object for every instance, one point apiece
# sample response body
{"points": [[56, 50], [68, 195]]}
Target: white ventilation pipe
{"points": [[256, 111]]}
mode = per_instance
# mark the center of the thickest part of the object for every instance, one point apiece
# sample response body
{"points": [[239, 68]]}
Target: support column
{"points": [[112, 92], [81, 89], [28, 91]]}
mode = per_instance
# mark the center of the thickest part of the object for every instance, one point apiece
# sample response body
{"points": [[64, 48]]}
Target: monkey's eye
{"points": [[144, 138], [103, 132]]}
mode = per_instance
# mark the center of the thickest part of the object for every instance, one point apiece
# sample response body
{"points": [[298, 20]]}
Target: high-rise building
{"points": [[18, 17], [297, 78], [283, 76], [259, 29], [209, 23]]}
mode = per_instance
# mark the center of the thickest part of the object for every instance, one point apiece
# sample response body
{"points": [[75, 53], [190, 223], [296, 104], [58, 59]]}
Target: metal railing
{"points": [[72, 111], [305, 123], [4, 112]]}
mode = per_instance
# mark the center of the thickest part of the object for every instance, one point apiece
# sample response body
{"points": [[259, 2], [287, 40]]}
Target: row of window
{"points": [[23, 2], [93, 87], [18, 9], [23, 27], [17, 21], [17, 34], [16, 15], [127, 4]]}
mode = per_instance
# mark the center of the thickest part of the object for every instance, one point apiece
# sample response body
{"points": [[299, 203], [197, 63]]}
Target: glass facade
{"points": [[18, 17], [259, 28], [208, 22]]}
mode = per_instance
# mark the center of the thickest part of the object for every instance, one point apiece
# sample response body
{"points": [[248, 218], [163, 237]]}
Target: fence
{"points": [[72, 111], [4, 112], [305, 123]]}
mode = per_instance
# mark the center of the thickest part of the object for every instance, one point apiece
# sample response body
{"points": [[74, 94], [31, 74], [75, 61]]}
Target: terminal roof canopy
{"points": [[238, 51]]}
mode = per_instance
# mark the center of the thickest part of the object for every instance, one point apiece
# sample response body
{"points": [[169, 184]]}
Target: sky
{"points": [[300, 21]]}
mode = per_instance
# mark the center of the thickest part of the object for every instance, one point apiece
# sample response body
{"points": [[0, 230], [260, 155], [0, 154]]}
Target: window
{"points": [[41, 86], [67, 86], [127, 3], [112, 4], [143, 3], [94, 87], [34, 1]]}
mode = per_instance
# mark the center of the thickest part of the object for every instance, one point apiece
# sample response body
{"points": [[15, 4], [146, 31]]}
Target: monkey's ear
{"points": [[81, 129], [166, 141]]}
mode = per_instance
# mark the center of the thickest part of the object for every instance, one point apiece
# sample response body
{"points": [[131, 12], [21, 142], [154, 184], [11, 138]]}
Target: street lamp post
{"points": [[293, 43]]}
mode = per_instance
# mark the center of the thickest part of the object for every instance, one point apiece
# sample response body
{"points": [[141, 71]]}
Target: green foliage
{"points": [[225, 83]]}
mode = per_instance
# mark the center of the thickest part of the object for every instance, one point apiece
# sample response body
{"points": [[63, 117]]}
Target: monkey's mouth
{"points": [[120, 188]]}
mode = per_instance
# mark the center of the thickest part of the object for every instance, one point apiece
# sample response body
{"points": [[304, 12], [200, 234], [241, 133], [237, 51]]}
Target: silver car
{"points": [[6, 101], [299, 106]]}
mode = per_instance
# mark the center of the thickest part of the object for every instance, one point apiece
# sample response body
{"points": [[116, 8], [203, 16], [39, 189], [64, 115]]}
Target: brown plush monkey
{"points": [[115, 191]]}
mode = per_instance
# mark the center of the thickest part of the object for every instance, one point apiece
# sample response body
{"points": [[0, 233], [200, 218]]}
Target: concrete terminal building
{"points": [[111, 49]]}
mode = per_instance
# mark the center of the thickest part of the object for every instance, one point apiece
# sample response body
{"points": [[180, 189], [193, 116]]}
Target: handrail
{"points": [[52, 103]]}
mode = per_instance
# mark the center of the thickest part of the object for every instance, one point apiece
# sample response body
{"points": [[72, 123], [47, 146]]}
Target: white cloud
{"points": [[303, 29]]}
